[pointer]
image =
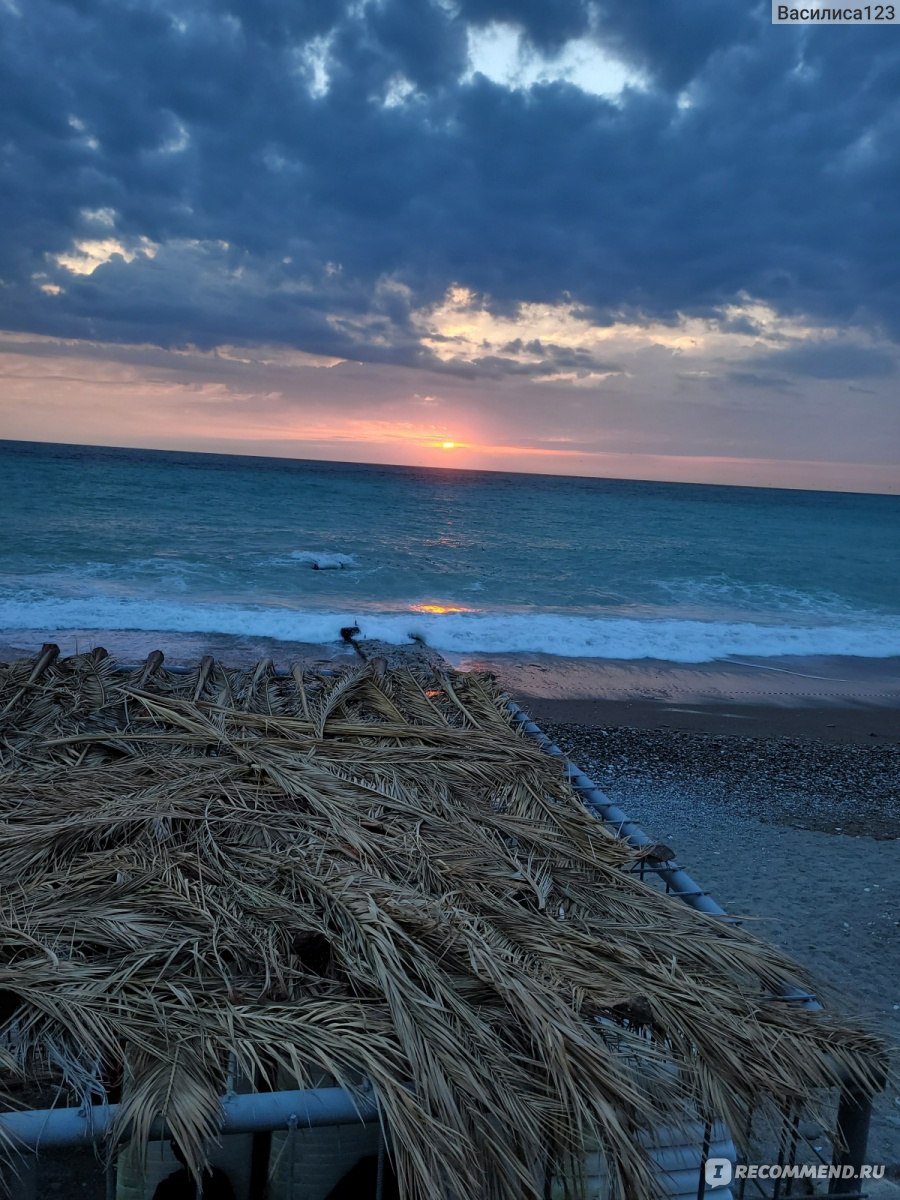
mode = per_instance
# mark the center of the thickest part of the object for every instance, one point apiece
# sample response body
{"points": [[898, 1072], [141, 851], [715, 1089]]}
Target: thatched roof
{"points": [[371, 875]]}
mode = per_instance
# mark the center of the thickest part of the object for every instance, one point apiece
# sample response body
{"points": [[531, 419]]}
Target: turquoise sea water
{"points": [[96, 538]]}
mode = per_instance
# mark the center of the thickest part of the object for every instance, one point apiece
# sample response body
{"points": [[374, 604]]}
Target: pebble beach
{"points": [[788, 813]]}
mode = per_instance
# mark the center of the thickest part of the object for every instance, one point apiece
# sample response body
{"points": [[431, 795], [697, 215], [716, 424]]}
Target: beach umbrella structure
{"points": [[369, 911]]}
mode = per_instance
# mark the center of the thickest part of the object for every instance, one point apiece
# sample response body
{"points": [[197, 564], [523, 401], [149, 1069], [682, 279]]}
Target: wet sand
{"points": [[839, 699]]}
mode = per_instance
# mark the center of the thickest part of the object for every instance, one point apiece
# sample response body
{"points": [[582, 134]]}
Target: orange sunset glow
{"points": [[311, 311], [270, 401], [439, 608]]}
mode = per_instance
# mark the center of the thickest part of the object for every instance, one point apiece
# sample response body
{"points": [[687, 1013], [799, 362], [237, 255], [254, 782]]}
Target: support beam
{"points": [[245, 1113], [853, 1118]]}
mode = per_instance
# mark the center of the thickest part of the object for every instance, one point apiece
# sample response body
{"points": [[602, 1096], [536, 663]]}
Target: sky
{"points": [[652, 239]]}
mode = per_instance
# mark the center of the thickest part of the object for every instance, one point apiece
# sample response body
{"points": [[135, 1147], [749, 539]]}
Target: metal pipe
{"points": [[677, 880], [247, 1113]]}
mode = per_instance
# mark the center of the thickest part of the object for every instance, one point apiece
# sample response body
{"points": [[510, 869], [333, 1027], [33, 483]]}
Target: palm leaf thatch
{"points": [[376, 877]]}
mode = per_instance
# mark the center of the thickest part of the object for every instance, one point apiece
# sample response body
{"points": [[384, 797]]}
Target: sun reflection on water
{"points": [[438, 608]]}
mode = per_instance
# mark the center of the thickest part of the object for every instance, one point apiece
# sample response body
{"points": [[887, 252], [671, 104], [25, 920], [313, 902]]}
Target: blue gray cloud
{"points": [[287, 159], [830, 360]]}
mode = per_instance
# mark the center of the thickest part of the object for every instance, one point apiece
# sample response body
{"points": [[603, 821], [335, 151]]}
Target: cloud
{"points": [[532, 359], [758, 379], [266, 398], [830, 360], [319, 175]]}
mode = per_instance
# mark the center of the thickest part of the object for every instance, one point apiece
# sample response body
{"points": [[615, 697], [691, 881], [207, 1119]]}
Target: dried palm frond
{"points": [[369, 876]]}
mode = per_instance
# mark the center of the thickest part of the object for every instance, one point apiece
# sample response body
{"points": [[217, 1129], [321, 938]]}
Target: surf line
{"points": [[786, 671]]}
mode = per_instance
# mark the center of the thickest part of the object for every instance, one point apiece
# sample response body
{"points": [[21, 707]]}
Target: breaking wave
{"points": [[324, 559], [576, 636]]}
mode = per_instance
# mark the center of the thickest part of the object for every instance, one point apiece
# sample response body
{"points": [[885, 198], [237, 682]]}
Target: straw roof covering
{"points": [[371, 875]]}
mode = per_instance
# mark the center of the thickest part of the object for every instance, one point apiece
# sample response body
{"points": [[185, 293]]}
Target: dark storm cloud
{"points": [[282, 192], [673, 41]]}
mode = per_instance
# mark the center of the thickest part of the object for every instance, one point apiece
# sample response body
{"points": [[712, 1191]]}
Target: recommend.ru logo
{"points": [[718, 1172]]}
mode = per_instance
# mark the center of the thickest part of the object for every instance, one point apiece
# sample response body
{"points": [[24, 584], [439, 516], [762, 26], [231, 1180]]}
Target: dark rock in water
{"points": [[349, 632], [334, 566]]}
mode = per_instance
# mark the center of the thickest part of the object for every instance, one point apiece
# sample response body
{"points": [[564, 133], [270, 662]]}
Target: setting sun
{"points": [[448, 445]]}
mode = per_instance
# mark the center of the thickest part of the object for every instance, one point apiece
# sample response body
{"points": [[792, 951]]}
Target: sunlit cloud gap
{"points": [[501, 53]]}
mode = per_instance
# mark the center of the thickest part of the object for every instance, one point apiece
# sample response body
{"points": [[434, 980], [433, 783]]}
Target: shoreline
{"points": [[777, 681], [862, 725], [846, 700], [834, 699]]}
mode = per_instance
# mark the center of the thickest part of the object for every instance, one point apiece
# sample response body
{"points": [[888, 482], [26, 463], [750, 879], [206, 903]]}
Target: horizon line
{"points": [[497, 471]]}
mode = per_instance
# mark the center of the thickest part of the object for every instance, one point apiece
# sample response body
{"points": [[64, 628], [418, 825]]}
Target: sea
{"points": [[184, 546]]}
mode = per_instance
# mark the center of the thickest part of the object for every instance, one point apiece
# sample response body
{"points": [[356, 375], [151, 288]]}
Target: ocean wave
{"points": [[599, 637], [323, 559], [91, 576], [723, 597]]}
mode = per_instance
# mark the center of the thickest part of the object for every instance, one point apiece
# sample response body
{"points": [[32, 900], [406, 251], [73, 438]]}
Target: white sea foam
{"points": [[324, 559], [577, 636]]}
